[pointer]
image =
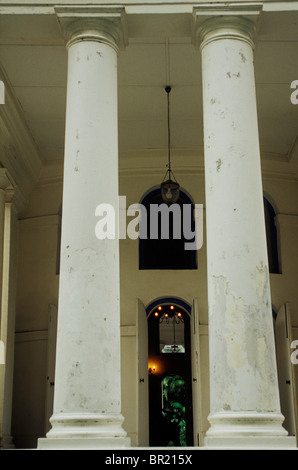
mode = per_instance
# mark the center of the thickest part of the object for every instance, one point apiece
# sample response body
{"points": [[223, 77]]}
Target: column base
{"points": [[252, 442], [6, 442], [85, 431], [248, 429], [86, 443]]}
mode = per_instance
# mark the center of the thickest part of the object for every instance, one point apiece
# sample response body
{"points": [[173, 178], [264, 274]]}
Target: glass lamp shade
{"points": [[170, 191]]}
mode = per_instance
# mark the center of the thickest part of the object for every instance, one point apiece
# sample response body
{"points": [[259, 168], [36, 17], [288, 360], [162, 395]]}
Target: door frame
{"points": [[196, 374], [143, 382], [285, 368], [142, 375], [51, 364]]}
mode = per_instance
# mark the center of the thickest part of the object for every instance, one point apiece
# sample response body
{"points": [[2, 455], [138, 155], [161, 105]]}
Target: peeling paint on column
{"points": [[242, 349], [243, 378], [230, 75], [233, 322], [243, 58], [261, 276], [261, 354], [235, 331], [76, 168]]}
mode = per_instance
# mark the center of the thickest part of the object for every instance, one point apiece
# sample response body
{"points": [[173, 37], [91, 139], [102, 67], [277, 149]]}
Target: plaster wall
{"points": [[38, 288]]}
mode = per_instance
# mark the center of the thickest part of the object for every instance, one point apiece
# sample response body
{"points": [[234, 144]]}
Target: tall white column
{"points": [[8, 229], [87, 397], [245, 407], [7, 333], [6, 182]]}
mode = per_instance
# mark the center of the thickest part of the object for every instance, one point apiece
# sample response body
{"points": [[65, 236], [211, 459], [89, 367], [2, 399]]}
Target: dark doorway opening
{"points": [[170, 387]]}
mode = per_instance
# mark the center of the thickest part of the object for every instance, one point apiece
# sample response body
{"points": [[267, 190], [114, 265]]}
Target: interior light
{"points": [[169, 187], [152, 369]]}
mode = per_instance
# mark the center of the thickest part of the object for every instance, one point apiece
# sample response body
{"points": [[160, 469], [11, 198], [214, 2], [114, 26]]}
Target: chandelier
{"points": [[169, 315]]}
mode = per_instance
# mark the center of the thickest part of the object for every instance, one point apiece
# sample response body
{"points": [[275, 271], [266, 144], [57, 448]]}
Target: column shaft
{"points": [[87, 401], [7, 314], [243, 378], [8, 321]]}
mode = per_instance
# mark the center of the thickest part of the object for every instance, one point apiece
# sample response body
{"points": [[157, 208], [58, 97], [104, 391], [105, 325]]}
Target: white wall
{"points": [[38, 287]]}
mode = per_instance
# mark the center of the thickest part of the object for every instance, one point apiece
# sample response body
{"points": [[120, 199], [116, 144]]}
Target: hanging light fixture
{"points": [[169, 186]]}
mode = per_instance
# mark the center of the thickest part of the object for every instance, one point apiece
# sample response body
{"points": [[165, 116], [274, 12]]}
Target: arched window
{"points": [[169, 230], [271, 235]]}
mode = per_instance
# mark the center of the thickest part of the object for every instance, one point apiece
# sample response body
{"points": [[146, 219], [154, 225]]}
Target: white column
{"points": [[243, 378], [7, 314], [87, 397], [6, 182], [9, 282]]}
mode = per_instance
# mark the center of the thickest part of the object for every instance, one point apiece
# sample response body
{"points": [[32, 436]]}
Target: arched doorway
{"points": [[170, 378]]}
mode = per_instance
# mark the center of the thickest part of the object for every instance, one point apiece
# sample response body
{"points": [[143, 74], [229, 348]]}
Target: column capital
{"points": [[6, 180], [8, 185], [214, 22], [94, 23]]}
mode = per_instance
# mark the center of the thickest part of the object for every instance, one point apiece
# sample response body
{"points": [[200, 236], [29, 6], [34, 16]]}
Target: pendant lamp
{"points": [[169, 186]]}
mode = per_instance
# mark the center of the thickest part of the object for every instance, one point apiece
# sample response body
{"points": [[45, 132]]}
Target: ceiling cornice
{"points": [[18, 150]]}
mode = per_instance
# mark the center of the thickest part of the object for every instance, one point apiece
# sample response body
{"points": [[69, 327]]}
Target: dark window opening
{"points": [[162, 251], [271, 236]]}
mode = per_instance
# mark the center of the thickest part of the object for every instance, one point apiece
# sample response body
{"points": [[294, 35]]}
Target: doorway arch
{"points": [[168, 300], [170, 375]]}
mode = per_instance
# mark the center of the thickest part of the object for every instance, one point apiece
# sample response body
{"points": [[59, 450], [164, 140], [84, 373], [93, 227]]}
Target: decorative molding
{"points": [[293, 157], [128, 330], [19, 152], [249, 10], [286, 219], [51, 174], [6, 181], [225, 20], [187, 162], [28, 336], [39, 222], [94, 23], [275, 166]]}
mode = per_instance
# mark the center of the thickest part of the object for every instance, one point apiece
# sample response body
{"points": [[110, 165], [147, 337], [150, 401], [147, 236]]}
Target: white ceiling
{"points": [[33, 56]]}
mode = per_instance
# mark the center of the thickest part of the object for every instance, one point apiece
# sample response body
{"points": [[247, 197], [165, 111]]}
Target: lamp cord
{"points": [[168, 89]]}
